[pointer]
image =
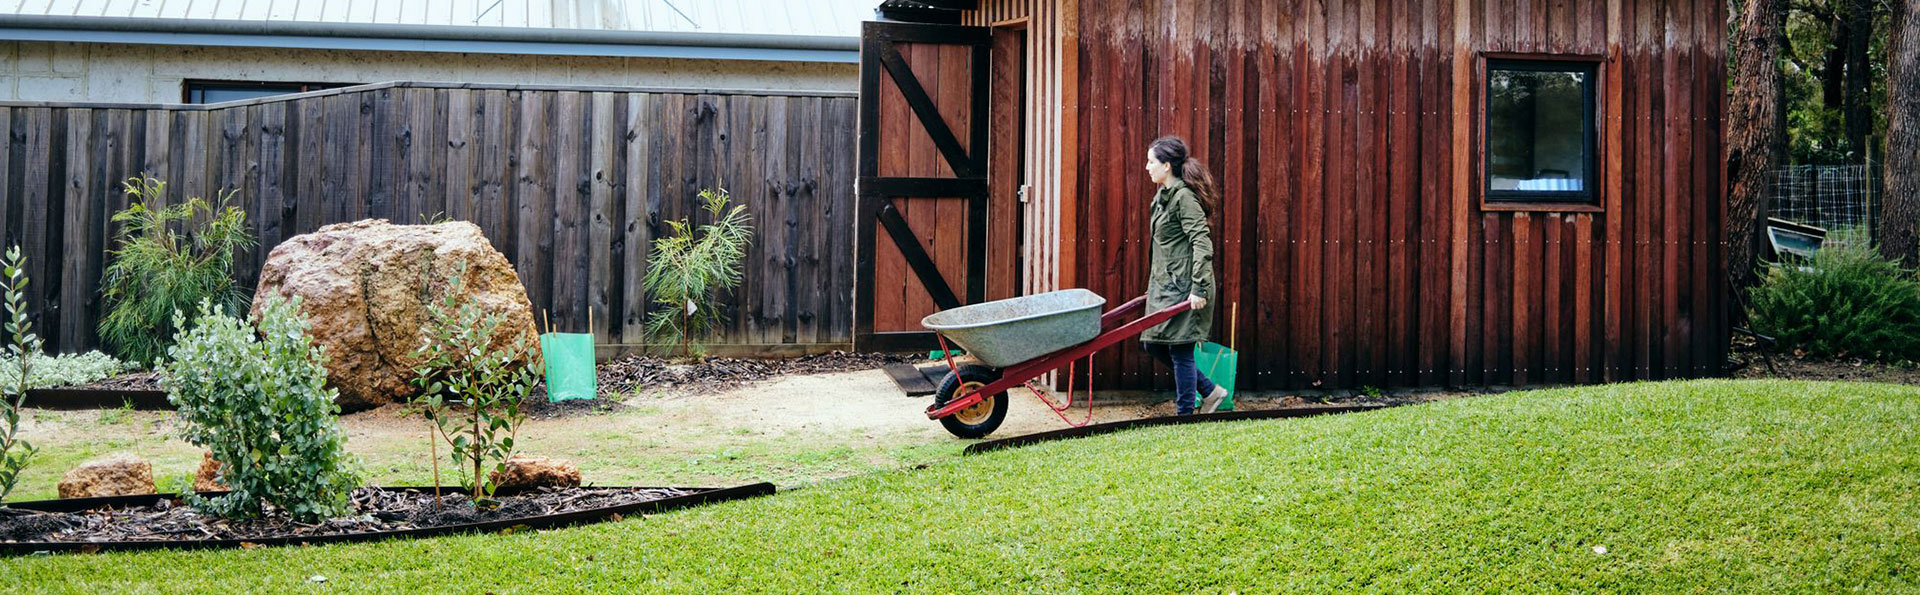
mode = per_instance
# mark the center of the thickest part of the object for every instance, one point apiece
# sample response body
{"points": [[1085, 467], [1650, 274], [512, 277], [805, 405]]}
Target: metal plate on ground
{"points": [[917, 381]]}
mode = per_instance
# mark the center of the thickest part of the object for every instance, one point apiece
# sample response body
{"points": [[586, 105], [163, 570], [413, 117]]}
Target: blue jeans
{"points": [[1188, 383]]}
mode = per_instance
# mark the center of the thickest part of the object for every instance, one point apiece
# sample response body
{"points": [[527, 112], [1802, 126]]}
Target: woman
{"points": [[1182, 269]]}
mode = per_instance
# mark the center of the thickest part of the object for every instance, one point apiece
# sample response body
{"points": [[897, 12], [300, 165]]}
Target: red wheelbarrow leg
{"points": [[1019, 374]]}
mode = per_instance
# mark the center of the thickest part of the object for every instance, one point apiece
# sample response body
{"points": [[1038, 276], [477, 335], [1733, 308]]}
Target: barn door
{"points": [[921, 229]]}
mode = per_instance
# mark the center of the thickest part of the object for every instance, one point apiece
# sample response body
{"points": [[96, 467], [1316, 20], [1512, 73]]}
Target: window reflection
{"points": [[1538, 127]]}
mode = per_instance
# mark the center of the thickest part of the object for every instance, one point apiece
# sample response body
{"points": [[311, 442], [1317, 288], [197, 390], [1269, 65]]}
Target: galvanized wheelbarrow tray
{"points": [[1018, 340]]}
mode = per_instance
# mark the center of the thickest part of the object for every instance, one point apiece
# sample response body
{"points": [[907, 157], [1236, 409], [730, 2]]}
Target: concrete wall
{"points": [[39, 71]]}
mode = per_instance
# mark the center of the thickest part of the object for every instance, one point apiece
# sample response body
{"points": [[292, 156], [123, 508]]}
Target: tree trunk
{"points": [[1859, 107], [1756, 131], [1900, 198], [1833, 71]]}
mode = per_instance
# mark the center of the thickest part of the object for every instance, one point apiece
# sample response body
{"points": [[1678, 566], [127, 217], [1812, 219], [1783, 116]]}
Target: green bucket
{"points": [[570, 372], [1219, 364]]}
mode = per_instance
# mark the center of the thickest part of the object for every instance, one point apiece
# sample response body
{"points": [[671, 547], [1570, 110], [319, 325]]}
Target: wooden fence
{"points": [[571, 184]]}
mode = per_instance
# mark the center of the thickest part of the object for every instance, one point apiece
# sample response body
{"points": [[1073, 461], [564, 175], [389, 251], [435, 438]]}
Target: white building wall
{"points": [[40, 71]]}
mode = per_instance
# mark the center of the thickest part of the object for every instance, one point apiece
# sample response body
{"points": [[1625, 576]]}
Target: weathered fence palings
{"points": [[572, 184]]}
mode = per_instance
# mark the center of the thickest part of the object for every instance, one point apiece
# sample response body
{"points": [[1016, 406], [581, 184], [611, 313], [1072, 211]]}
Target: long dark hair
{"points": [[1173, 151]]}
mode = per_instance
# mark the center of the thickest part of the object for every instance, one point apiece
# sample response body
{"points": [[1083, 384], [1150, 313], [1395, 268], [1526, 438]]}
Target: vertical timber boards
{"points": [[922, 214], [1372, 261], [565, 181]]}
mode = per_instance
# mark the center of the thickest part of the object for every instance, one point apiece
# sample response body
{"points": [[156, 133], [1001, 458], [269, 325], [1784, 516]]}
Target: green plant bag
{"points": [[570, 373], [1219, 364]]}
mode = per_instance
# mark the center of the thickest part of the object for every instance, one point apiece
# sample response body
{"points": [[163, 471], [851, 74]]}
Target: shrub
{"points": [[158, 270], [458, 366], [687, 271], [259, 404], [1845, 300], [22, 345], [64, 370]]}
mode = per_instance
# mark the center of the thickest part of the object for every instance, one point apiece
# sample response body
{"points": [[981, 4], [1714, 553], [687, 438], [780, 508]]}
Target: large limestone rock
{"points": [[115, 476], [526, 471], [365, 286], [207, 478]]}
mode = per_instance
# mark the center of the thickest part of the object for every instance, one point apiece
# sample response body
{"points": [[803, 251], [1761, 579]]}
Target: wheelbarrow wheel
{"points": [[983, 417]]}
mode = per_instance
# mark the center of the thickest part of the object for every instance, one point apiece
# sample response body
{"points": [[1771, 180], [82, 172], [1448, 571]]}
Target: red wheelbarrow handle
{"points": [[1118, 315], [1020, 373]]}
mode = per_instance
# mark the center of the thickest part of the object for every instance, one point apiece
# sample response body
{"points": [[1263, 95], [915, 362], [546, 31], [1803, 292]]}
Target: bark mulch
{"points": [[147, 380], [1748, 362], [620, 377], [374, 510], [716, 374]]}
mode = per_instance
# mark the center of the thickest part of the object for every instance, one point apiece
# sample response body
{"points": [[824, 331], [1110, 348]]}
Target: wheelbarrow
{"points": [[1019, 339]]}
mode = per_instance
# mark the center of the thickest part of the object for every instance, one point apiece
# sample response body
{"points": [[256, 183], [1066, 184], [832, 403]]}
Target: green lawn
{"points": [[1703, 486]]}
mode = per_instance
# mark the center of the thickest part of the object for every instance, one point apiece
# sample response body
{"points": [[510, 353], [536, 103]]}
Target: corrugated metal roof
{"points": [[835, 18]]}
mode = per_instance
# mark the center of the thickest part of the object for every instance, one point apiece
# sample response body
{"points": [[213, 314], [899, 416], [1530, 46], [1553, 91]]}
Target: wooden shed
{"points": [[1421, 193]]}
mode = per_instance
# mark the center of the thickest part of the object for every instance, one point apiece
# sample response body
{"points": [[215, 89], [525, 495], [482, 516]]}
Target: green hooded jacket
{"points": [[1181, 265]]}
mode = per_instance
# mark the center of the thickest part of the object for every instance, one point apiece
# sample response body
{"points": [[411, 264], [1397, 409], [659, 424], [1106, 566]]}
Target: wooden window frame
{"points": [[1590, 200]]}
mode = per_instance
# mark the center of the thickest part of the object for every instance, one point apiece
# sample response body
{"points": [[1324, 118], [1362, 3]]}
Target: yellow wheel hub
{"points": [[977, 413]]}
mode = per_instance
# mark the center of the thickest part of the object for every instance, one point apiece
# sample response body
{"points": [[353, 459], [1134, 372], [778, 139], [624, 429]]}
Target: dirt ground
{"points": [[791, 430], [1794, 367]]}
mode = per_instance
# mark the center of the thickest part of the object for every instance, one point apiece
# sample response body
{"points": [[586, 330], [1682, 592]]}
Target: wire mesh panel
{"points": [[1843, 200]]}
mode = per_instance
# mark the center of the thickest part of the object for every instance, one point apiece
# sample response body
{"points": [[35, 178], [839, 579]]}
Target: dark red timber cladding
{"points": [[1358, 256]]}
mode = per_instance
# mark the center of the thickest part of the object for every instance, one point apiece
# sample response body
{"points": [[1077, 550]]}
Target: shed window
{"points": [[219, 91], [1540, 131]]}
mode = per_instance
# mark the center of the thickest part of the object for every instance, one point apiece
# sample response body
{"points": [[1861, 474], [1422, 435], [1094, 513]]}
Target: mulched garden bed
{"points": [[1792, 366], [93, 398], [162, 520], [619, 378], [1748, 358], [716, 374], [140, 390], [538, 407], [148, 380]]}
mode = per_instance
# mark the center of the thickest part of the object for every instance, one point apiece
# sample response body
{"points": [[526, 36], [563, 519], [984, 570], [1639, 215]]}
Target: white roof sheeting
{"points": [[831, 18]]}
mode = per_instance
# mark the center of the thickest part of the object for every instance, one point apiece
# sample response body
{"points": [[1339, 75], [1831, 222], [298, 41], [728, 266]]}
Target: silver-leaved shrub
{"points": [[68, 369], [258, 400]]}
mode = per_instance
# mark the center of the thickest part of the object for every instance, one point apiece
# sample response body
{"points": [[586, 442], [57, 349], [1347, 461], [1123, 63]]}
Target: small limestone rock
{"points": [[116, 476], [207, 479], [525, 471], [365, 286]]}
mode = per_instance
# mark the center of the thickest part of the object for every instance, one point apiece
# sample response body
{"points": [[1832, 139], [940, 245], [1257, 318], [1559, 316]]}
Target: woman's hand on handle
{"points": [[1197, 301]]}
